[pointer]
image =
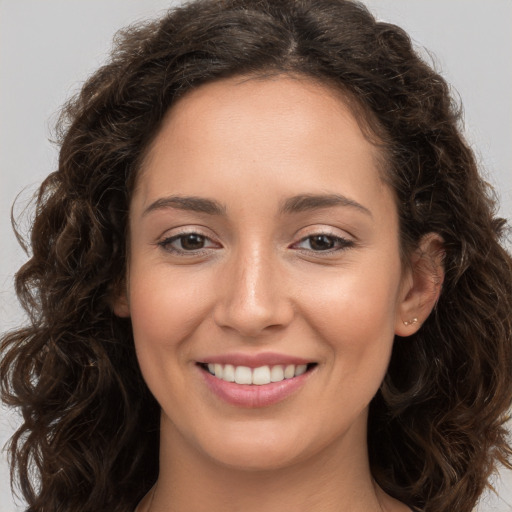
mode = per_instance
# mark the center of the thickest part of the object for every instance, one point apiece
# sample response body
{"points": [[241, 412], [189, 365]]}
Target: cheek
{"points": [[357, 327], [354, 314], [165, 311], [165, 308]]}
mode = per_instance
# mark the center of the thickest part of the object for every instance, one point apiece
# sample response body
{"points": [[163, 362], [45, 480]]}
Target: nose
{"points": [[253, 296]]}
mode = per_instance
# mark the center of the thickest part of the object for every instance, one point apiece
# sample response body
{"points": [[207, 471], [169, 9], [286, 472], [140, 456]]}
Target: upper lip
{"points": [[255, 360]]}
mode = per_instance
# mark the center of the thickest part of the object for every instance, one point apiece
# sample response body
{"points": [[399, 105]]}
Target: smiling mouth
{"points": [[258, 376]]}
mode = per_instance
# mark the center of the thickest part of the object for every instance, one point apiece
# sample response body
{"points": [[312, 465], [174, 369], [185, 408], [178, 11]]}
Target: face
{"points": [[264, 249]]}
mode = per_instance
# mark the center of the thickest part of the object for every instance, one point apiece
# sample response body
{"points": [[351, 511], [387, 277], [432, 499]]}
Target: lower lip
{"points": [[253, 396]]}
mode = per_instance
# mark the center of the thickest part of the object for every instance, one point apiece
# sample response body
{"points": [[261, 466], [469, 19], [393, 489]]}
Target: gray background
{"points": [[48, 47]]}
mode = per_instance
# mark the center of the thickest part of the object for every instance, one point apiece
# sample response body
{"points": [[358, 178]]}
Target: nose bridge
{"points": [[254, 297], [255, 287]]}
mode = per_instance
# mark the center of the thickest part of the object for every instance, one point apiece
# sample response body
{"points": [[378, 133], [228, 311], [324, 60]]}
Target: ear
{"points": [[120, 303], [421, 285]]}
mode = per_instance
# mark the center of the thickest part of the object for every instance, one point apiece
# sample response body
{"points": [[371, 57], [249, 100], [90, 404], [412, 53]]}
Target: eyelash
{"points": [[339, 244]]}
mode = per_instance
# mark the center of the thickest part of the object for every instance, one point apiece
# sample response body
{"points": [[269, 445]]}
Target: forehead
{"points": [[255, 129]]}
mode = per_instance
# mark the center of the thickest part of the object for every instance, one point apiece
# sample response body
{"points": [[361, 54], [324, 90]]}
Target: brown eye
{"points": [[192, 242], [321, 242], [184, 243]]}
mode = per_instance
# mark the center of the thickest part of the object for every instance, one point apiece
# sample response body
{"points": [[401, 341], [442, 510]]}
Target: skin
{"points": [[258, 284]]}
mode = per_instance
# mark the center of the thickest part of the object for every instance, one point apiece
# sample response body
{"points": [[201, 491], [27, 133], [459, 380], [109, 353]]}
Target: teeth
{"points": [[276, 373], [289, 371], [257, 376], [261, 375], [228, 373], [243, 375], [301, 368]]}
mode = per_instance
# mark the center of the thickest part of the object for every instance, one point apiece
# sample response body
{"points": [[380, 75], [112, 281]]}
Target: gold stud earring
{"points": [[410, 322]]}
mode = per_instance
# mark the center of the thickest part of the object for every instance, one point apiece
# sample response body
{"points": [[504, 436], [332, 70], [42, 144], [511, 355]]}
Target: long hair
{"points": [[89, 437]]}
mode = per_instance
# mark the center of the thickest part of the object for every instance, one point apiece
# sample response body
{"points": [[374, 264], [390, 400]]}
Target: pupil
{"points": [[321, 243], [192, 242]]}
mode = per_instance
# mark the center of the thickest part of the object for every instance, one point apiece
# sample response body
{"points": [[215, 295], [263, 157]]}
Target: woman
{"points": [[266, 274]]}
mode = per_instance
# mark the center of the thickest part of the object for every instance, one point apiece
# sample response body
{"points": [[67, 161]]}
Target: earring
{"points": [[410, 322]]}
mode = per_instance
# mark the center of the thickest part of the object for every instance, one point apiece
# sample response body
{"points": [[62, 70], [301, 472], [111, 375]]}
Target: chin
{"points": [[250, 453], [254, 461]]}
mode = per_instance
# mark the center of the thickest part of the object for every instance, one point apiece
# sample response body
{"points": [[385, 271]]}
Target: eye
{"points": [[187, 243], [323, 243]]}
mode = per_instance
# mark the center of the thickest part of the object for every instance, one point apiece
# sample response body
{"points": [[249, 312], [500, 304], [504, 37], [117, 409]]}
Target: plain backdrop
{"points": [[48, 48]]}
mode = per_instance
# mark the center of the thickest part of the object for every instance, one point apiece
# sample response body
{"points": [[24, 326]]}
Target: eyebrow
{"points": [[307, 202], [295, 204], [190, 203]]}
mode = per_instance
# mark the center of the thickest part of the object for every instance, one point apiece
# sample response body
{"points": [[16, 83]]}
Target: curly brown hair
{"points": [[89, 437]]}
